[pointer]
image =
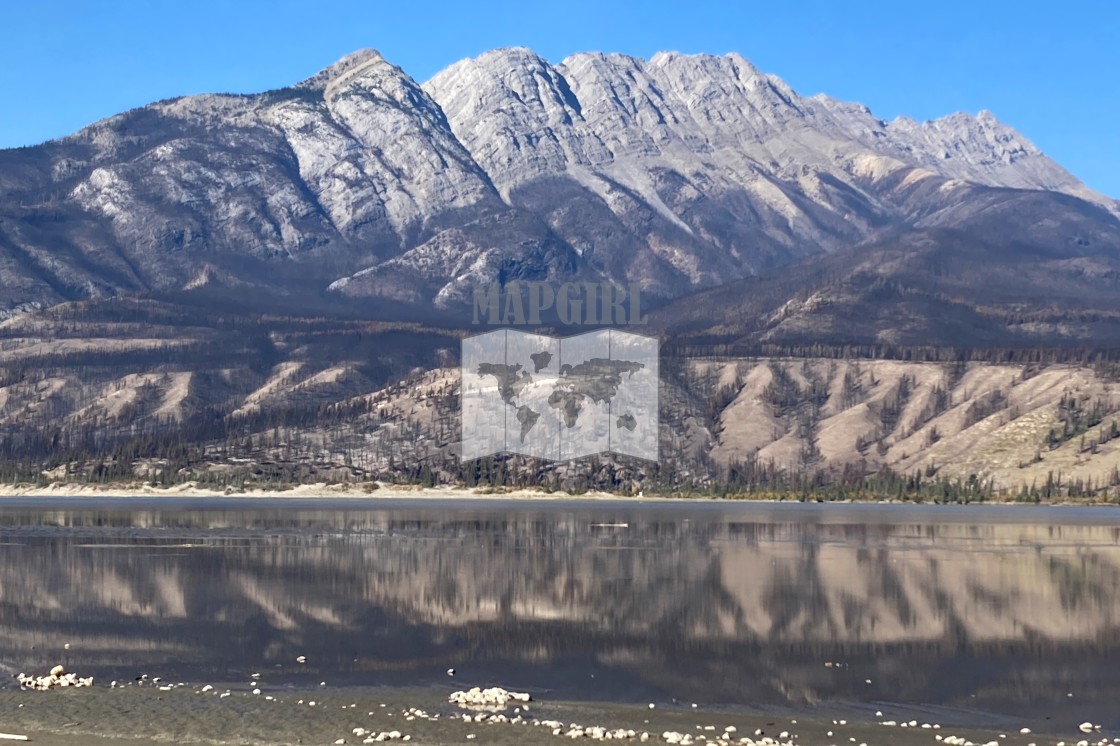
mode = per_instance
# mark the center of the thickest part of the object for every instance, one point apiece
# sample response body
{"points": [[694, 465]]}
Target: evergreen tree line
{"points": [[1105, 360]]}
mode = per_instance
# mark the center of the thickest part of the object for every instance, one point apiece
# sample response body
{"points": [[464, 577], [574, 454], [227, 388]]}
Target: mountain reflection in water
{"points": [[1002, 610]]}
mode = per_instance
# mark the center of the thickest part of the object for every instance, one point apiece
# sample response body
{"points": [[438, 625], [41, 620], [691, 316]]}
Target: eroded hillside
{"points": [[288, 400]]}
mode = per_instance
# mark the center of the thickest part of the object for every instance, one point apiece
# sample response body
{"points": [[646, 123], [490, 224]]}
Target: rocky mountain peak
{"points": [[347, 64]]}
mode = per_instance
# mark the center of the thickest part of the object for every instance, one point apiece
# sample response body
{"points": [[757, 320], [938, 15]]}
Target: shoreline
{"points": [[324, 490], [279, 714], [306, 491]]}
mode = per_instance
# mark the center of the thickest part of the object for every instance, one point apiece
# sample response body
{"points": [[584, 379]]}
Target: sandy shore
{"points": [[145, 716], [192, 489]]}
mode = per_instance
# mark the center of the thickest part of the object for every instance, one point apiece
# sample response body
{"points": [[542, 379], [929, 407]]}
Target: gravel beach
{"points": [[184, 713]]}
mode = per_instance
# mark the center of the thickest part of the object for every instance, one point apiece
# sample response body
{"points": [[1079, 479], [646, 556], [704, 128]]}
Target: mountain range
{"points": [[273, 287], [364, 192]]}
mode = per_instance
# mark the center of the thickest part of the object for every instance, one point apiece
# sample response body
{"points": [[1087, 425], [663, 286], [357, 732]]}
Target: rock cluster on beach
{"points": [[727, 738], [378, 736], [493, 697], [57, 677], [603, 733]]}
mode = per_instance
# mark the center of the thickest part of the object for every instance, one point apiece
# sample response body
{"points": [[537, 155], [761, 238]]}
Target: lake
{"points": [[982, 615]]}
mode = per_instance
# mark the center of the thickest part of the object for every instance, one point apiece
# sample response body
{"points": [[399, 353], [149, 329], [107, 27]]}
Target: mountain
{"points": [[362, 191], [287, 190], [274, 287], [714, 169]]}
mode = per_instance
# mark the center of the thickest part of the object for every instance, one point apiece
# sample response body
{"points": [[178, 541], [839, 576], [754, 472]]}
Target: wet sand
{"points": [[145, 715]]}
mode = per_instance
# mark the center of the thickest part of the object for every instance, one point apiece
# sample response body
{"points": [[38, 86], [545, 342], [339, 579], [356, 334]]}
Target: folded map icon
{"points": [[559, 398]]}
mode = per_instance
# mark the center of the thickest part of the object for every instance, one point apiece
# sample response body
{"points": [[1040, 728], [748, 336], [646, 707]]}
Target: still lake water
{"points": [[968, 612]]}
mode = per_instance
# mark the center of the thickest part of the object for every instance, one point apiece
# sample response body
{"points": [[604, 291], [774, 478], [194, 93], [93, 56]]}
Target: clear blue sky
{"points": [[1052, 70]]}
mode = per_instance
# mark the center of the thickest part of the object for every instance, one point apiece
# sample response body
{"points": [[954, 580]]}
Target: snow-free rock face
{"points": [[679, 129], [376, 150], [289, 188], [359, 154], [678, 172], [685, 171], [522, 117]]}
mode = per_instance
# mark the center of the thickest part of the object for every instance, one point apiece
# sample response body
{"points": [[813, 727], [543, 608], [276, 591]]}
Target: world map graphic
{"points": [[559, 398]]}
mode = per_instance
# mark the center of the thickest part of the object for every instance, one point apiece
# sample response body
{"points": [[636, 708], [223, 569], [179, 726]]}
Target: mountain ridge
{"points": [[358, 183]]}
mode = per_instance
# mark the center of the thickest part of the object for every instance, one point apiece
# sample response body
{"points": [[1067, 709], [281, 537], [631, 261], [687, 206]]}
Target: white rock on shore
{"points": [[57, 678], [495, 697], [392, 735]]}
